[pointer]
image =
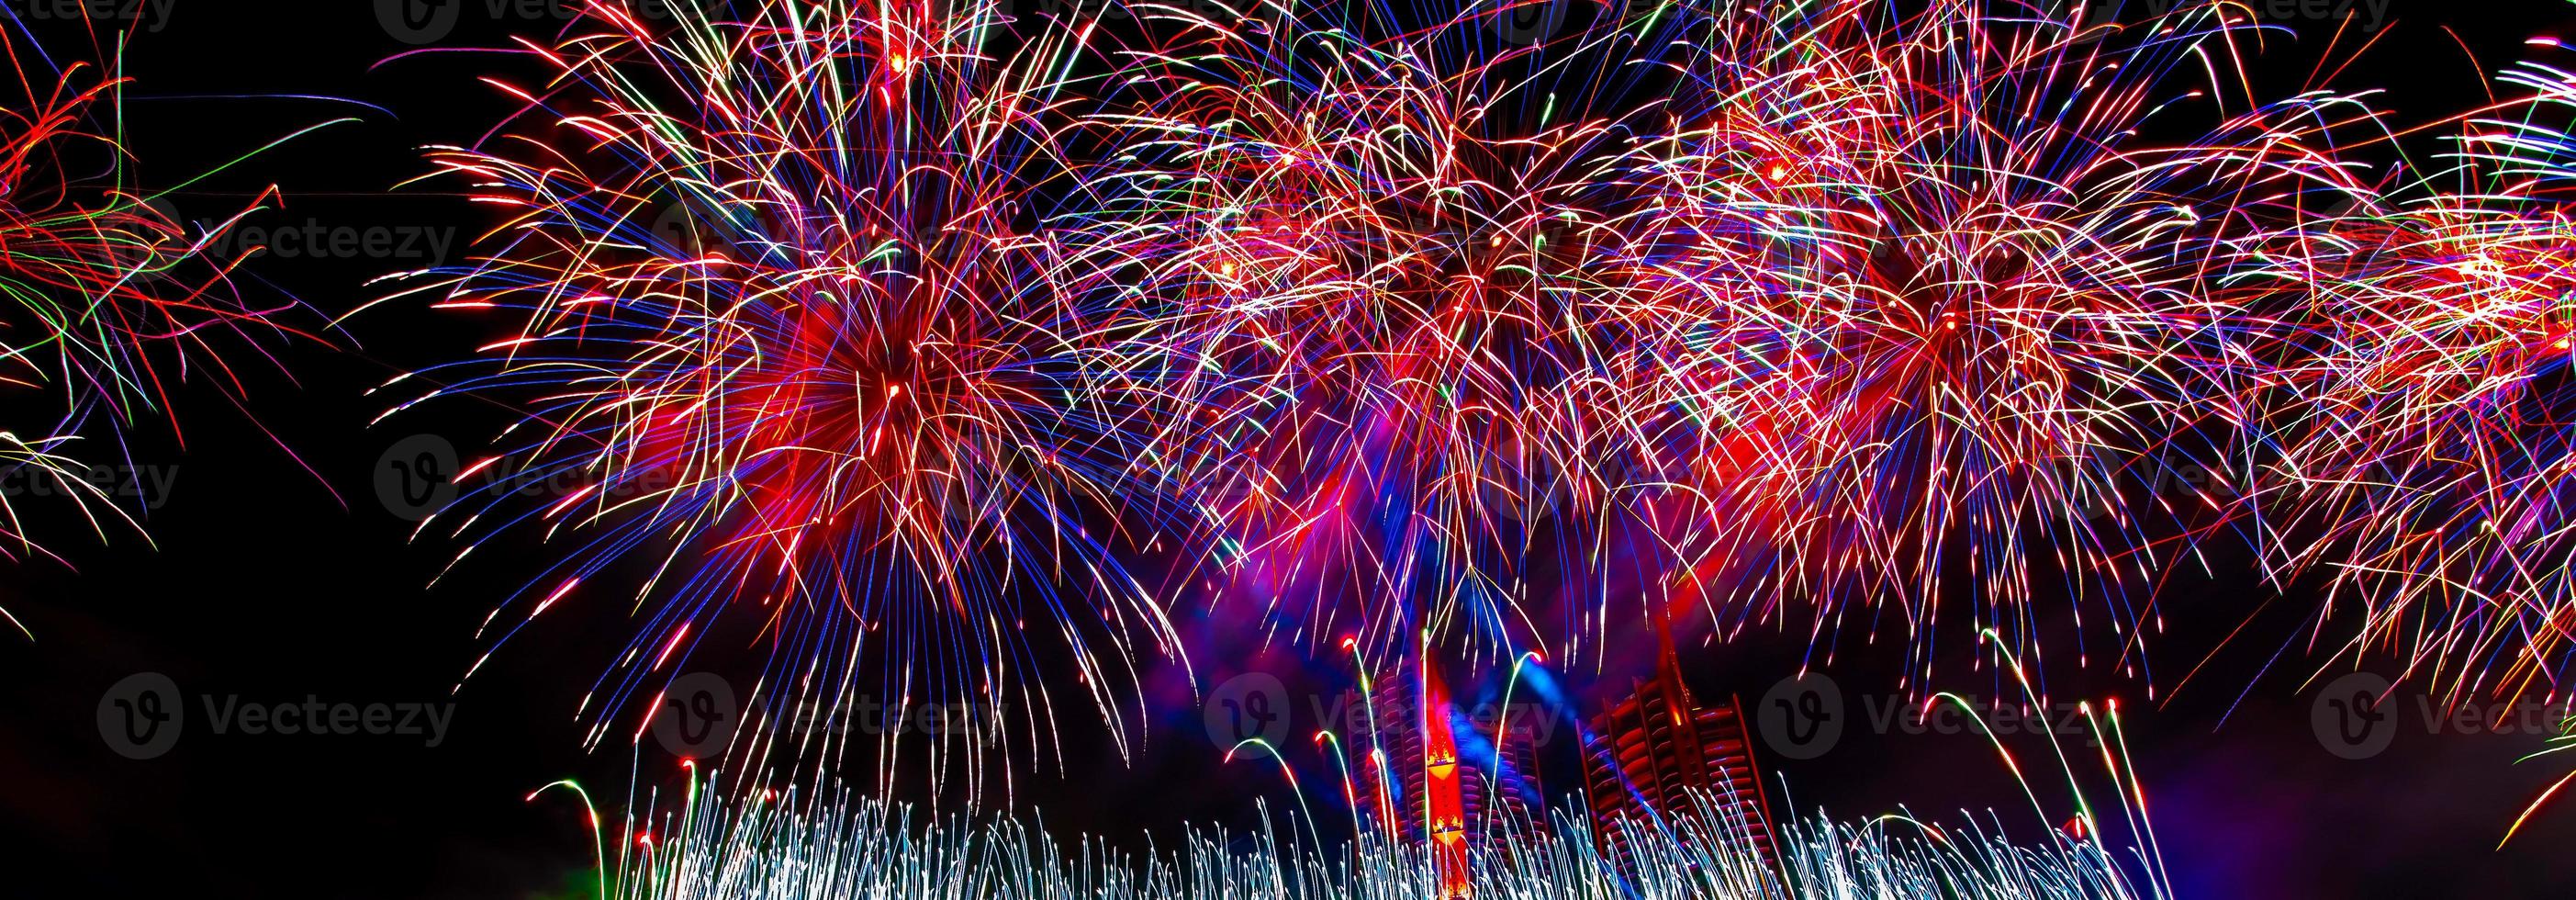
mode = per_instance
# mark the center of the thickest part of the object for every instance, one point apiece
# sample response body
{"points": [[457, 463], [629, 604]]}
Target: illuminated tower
{"points": [[1426, 771], [1660, 752]]}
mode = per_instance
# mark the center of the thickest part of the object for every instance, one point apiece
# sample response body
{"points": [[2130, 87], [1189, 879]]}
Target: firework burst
{"points": [[781, 315], [2425, 430], [919, 341], [107, 302], [1379, 230], [1928, 286]]}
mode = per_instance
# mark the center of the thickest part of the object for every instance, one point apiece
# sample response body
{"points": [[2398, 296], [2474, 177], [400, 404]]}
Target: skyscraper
{"points": [[1660, 752], [1429, 772]]}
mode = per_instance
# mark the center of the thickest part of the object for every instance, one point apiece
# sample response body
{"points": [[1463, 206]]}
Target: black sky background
{"points": [[270, 583]]}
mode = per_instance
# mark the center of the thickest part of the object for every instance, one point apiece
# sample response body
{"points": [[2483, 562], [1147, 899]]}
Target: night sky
{"points": [[277, 573]]}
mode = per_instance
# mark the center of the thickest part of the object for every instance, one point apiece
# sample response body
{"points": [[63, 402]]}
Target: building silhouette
{"points": [[1442, 778], [1660, 752]]}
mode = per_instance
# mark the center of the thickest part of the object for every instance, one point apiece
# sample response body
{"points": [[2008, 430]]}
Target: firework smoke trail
{"points": [[1925, 287], [110, 302], [2427, 424], [780, 312]]}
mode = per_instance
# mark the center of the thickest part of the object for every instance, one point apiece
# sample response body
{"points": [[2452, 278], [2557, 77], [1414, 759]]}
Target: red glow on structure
{"points": [[1444, 813]]}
